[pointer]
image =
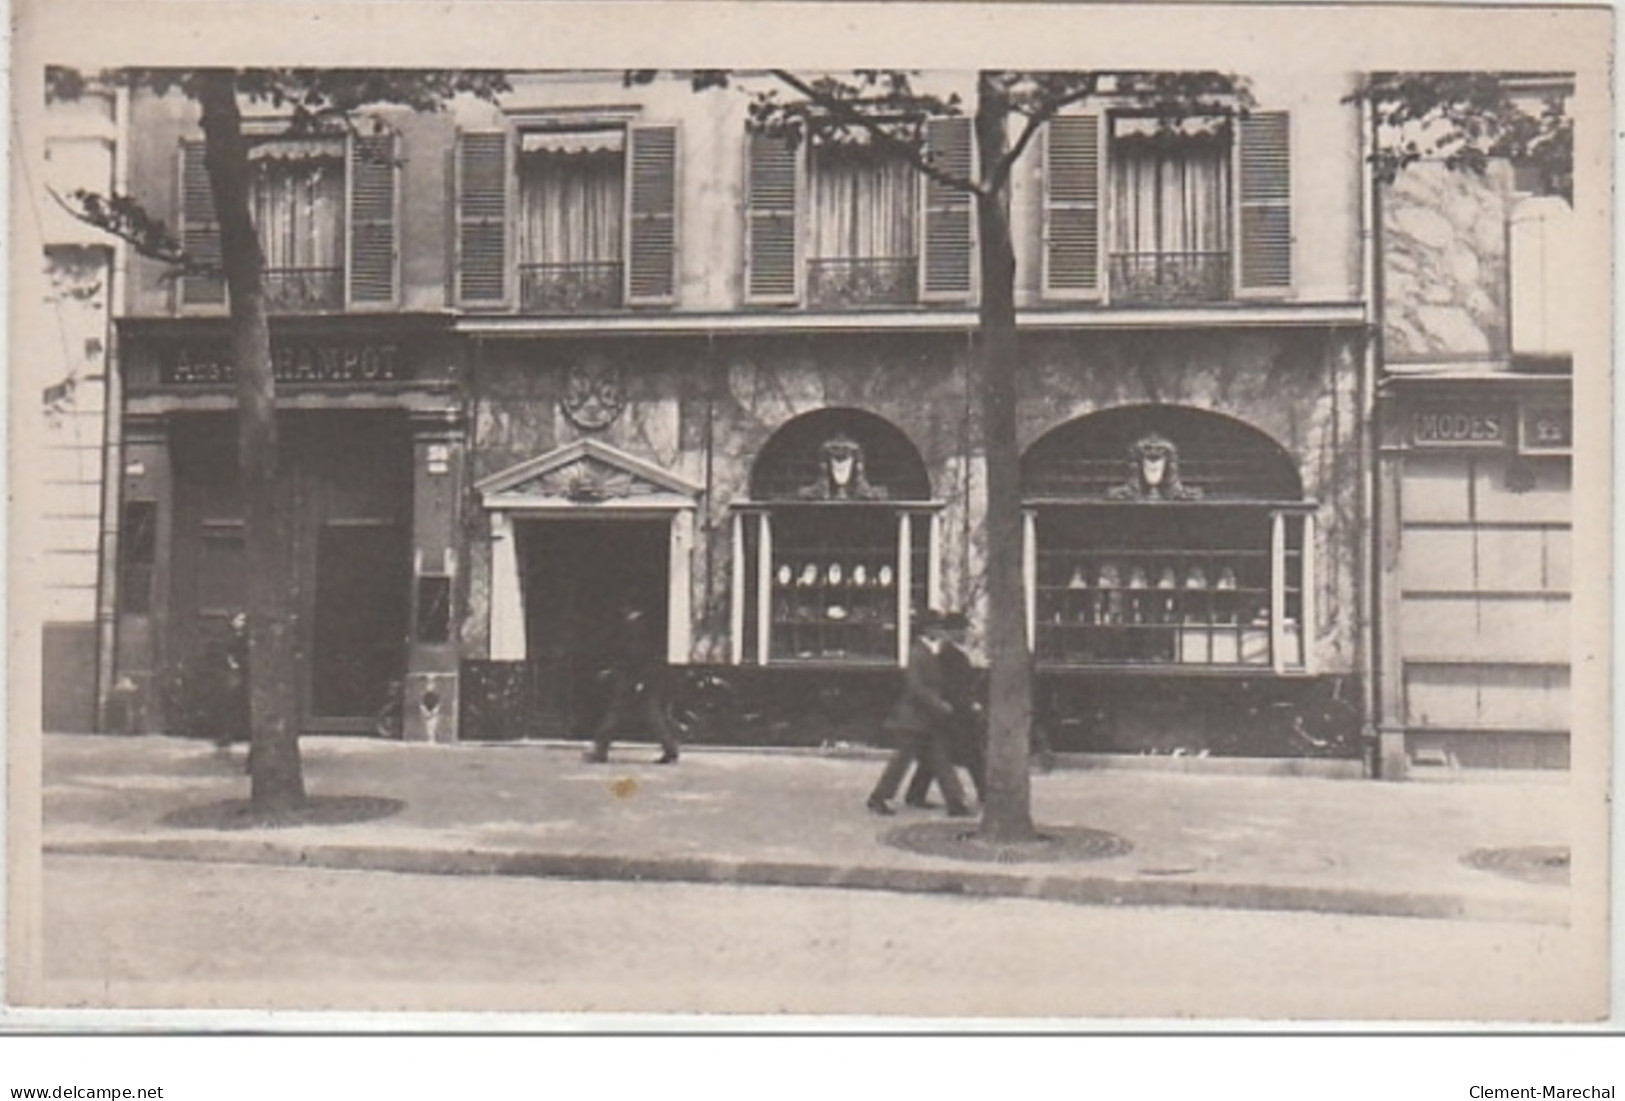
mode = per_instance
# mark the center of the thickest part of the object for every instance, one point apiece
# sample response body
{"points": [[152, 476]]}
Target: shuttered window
{"points": [[200, 231], [772, 195], [1266, 202], [372, 270], [949, 215], [482, 218], [651, 239], [1071, 251]]}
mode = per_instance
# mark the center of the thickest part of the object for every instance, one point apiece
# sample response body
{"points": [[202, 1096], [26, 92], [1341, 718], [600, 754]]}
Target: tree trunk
{"points": [[277, 778], [1007, 813]]}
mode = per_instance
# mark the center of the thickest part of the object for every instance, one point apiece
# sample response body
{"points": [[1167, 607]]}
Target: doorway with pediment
{"points": [[575, 534], [575, 576]]}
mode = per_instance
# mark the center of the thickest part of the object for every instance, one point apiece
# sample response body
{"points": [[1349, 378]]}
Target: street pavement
{"points": [[1194, 836]]}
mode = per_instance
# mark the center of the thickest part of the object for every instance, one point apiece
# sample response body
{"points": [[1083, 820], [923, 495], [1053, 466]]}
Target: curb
{"points": [[1078, 890]]}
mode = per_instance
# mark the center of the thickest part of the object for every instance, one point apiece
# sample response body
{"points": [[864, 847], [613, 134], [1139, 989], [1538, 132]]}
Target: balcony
{"points": [[846, 284], [1170, 278], [570, 288], [303, 290]]}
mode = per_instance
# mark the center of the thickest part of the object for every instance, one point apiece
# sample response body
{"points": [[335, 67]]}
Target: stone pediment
{"points": [[585, 473]]}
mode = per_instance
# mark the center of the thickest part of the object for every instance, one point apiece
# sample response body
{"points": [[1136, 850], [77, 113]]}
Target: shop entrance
{"points": [[359, 625], [345, 481], [576, 575]]}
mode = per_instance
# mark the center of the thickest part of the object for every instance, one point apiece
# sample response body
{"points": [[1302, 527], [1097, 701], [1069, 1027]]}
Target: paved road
{"points": [[123, 932]]}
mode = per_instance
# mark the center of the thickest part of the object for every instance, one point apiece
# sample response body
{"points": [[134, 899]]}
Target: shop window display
{"points": [[1157, 573], [830, 571]]}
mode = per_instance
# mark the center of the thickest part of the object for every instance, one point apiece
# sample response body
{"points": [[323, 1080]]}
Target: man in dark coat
{"points": [[966, 727], [636, 689], [918, 723]]}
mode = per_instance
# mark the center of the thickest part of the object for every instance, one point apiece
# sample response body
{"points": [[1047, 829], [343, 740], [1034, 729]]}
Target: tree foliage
{"points": [[308, 102], [1467, 119]]}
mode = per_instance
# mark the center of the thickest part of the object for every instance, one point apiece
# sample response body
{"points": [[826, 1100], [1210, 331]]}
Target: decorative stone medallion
{"points": [[594, 393]]}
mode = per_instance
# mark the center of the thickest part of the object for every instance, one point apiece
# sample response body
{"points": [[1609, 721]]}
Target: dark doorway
{"points": [[576, 576], [359, 633]]}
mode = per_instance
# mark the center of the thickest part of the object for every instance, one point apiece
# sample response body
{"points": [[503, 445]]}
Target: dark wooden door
{"points": [[577, 574], [358, 633]]}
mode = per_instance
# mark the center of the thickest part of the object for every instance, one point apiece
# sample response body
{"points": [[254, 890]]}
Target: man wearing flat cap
{"points": [[918, 721]]}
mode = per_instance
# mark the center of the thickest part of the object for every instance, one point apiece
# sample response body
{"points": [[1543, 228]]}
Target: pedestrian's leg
{"points": [[654, 714], [919, 786], [891, 778], [604, 732], [935, 751]]}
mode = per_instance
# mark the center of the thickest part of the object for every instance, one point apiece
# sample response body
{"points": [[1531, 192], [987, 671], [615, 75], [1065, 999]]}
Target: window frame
{"points": [[1105, 113], [260, 130], [754, 627], [1180, 643]]}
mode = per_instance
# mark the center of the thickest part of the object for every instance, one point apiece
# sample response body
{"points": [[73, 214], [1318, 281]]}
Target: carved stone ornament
{"points": [[594, 393], [841, 475], [1153, 473]]}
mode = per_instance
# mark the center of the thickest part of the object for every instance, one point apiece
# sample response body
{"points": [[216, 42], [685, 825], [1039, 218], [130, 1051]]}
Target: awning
{"points": [[297, 149], [572, 141]]}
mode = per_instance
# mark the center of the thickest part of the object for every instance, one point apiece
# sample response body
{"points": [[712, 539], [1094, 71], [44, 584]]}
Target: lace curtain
{"points": [[570, 204], [1171, 195], [297, 197], [863, 205]]}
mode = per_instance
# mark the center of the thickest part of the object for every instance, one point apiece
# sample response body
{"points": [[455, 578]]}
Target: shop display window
{"points": [[1198, 585], [836, 554], [1165, 537], [838, 581]]}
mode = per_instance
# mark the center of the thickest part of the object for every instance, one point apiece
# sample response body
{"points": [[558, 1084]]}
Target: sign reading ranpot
{"points": [[296, 363]]}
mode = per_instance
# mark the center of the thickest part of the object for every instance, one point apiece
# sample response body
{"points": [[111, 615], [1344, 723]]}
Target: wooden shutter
{"points": [[651, 203], [200, 230], [772, 197], [372, 266], [948, 216], [482, 218], [1071, 254], [1265, 195]]}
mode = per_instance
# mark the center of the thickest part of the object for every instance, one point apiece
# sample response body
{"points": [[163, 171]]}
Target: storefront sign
{"points": [[1467, 426], [296, 364], [1547, 430]]}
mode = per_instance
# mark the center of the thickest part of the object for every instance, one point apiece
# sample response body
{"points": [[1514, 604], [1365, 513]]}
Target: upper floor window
{"points": [[1190, 210], [1170, 216], [862, 209], [296, 197], [325, 213], [571, 191], [567, 219], [852, 225]]}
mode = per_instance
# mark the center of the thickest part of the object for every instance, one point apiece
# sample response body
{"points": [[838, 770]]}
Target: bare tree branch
{"points": [[852, 113]]}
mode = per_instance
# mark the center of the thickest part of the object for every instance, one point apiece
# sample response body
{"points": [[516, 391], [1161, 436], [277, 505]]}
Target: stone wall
{"points": [[1444, 264]]}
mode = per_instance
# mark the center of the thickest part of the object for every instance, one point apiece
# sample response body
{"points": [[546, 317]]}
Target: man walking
{"points": [[636, 690], [966, 727], [918, 723]]}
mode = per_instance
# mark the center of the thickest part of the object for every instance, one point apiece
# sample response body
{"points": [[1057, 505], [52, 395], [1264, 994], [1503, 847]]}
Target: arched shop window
{"points": [[835, 551], [1163, 538]]}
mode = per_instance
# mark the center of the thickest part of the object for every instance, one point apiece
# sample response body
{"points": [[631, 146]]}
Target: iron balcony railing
{"points": [[856, 282], [303, 290], [570, 288], [1170, 278]]}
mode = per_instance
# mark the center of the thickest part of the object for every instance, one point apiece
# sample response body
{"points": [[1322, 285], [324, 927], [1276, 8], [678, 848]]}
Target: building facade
{"points": [[1476, 444], [603, 343], [70, 375]]}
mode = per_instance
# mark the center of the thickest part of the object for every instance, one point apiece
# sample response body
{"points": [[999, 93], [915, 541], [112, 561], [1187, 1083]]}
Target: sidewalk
{"points": [[797, 819]]}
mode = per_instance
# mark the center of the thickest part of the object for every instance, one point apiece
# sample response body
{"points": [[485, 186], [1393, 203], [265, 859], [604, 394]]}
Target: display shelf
{"points": [[1153, 588]]}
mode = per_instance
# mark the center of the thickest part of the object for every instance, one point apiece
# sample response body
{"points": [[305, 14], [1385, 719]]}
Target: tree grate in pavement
{"points": [[1530, 863], [319, 810], [1055, 845]]}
